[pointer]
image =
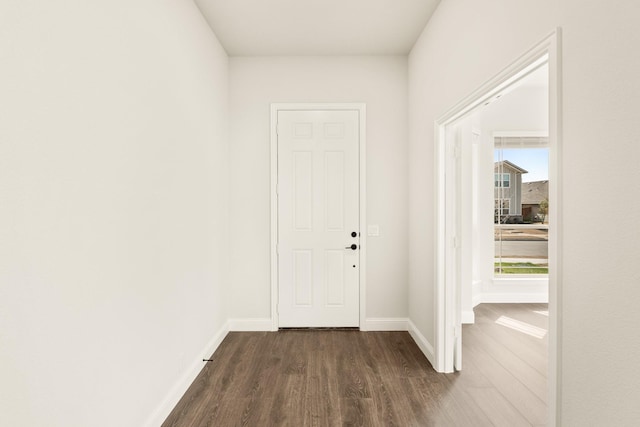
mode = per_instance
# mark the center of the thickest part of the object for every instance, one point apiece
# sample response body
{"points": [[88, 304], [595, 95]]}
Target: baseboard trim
{"points": [[468, 317], [422, 343], [182, 385], [503, 297], [477, 299], [251, 325], [385, 324]]}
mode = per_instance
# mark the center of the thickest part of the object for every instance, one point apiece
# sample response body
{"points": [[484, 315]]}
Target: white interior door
{"points": [[318, 218]]}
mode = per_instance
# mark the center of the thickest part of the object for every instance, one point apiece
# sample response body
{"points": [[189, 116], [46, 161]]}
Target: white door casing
{"points": [[457, 204], [318, 211]]}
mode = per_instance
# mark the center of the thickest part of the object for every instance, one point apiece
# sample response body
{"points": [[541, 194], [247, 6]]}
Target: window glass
{"points": [[521, 208]]}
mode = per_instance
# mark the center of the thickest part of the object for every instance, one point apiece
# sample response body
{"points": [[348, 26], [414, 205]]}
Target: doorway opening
{"points": [[459, 200]]}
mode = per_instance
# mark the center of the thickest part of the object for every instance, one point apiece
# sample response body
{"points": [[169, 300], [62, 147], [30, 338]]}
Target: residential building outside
{"points": [[508, 192], [534, 193]]}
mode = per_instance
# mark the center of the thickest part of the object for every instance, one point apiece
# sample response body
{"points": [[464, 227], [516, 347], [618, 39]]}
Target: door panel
{"points": [[303, 278], [318, 209], [335, 188], [303, 190], [335, 277]]}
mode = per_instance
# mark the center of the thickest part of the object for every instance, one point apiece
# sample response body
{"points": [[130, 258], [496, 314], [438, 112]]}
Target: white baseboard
{"points": [[385, 324], [422, 343], [503, 297], [181, 386], [477, 299], [468, 317], [251, 325]]}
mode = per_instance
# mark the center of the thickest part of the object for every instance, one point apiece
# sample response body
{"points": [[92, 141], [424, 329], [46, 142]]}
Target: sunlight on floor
{"points": [[543, 312], [523, 327]]}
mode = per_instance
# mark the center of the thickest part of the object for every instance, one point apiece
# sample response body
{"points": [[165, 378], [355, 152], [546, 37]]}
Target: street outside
{"points": [[522, 249], [521, 242]]}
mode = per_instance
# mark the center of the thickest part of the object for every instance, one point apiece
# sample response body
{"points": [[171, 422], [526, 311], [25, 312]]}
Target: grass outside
{"points": [[520, 268]]}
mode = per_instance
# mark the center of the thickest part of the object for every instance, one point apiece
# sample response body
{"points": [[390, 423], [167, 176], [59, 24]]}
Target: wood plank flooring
{"points": [[350, 378]]}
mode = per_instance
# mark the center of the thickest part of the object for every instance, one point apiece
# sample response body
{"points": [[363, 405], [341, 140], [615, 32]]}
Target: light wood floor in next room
{"points": [[349, 378]]}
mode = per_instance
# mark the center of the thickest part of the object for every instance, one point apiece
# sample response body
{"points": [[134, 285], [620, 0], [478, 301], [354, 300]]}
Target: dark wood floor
{"points": [[350, 378]]}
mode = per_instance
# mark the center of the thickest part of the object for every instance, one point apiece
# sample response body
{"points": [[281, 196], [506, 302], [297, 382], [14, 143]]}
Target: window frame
{"points": [[501, 210], [502, 180]]}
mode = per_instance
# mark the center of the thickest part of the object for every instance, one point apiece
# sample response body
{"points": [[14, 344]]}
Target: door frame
{"points": [[445, 289], [361, 109]]}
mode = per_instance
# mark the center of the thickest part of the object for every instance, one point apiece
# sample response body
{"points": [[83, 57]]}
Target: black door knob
{"points": [[354, 234], [352, 247]]}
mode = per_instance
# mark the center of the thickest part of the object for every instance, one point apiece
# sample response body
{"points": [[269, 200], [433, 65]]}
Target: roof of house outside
{"points": [[534, 192], [507, 164]]}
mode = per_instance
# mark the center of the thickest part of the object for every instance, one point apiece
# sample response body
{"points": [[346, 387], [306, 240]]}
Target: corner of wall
{"points": [[182, 385], [423, 344]]}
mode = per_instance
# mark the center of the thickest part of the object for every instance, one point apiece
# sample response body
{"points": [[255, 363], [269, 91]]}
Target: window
{"points": [[502, 180], [502, 206], [520, 245]]}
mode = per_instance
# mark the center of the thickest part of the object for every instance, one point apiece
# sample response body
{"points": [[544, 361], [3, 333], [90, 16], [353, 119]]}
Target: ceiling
{"points": [[317, 27]]}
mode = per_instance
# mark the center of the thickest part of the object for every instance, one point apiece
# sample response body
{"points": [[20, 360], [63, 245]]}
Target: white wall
{"points": [[113, 188], [601, 280], [465, 44], [381, 83]]}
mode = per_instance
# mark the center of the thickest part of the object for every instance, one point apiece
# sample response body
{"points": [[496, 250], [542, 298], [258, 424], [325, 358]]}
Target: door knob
{"points": [[352, 247], [354, 234]]}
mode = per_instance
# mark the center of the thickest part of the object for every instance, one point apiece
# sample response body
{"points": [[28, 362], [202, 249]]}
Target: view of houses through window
{"points": [[521, 193]]}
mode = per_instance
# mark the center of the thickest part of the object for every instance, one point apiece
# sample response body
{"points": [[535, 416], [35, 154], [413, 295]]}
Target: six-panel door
{"points": [[318, 210]]}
